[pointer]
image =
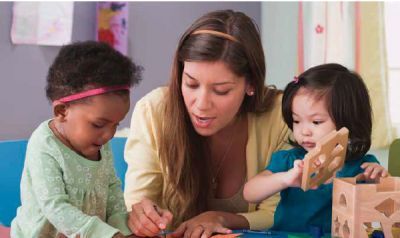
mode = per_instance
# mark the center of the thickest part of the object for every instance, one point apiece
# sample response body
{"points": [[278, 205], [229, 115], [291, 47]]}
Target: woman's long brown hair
{"points": [[183, 153]]}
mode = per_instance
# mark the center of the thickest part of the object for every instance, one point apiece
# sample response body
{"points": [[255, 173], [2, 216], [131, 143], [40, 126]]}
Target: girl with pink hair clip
{"points": [[322, 99]]}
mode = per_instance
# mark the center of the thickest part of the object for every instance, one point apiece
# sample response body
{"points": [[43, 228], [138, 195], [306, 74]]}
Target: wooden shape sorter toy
{"points": [[331, 151], [356, 206]]}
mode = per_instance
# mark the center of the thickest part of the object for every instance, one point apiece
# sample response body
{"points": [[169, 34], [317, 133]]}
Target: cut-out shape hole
{"points": [[342, 200], [321, 159], [387, 207], [367, 225], [318, 173], [374, 228], [346, 230], [337, 150], [368, 228], [334, 165], [336, 224], [316, 177]]}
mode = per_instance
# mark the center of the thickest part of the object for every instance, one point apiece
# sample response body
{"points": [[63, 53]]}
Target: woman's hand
{"points": [[373, 172], [145, 221], [203, 225]]}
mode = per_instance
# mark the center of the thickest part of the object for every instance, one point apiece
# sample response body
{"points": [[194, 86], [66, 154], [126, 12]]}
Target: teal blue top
{"points": [[62, 192], [297, 210]]}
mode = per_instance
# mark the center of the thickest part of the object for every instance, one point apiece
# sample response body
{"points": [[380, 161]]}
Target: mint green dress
{"points": [[62, 192]]}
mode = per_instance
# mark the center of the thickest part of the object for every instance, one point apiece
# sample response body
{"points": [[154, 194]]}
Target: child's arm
{"points": [[266, 184], [117, 215], [118, 235]]}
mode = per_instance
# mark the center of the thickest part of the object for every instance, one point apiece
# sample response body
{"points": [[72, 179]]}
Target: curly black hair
{"points": [[86, 65], [347, 100]]}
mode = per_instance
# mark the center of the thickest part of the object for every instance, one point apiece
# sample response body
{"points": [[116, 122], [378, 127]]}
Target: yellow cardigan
{"points": [[267, 134]]}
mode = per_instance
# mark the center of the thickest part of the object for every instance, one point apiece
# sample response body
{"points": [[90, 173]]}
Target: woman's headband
{"points": [[92, 92], [217, 33]]}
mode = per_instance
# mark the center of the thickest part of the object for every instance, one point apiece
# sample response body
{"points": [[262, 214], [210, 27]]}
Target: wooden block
{"points": [[331, 150]]}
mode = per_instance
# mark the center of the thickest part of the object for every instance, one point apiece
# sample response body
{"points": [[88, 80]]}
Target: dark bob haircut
{"points": [[347, 101]]}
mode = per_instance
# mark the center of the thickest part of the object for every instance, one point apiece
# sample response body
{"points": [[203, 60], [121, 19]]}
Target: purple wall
{"points": [[154, 32]]}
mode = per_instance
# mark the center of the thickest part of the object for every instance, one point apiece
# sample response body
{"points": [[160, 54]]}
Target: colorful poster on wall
{"points": [[42, 23], [112, 18]]}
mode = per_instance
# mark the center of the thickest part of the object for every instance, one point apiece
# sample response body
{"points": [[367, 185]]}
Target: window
{"points": [[392, 27]]}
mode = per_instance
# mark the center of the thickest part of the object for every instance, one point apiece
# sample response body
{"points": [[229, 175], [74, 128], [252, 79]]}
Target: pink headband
{"points": [[92, 92], [296, 79]]}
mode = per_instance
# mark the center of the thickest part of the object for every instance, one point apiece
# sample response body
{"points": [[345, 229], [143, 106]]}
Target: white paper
{"points": [[42, 23]]}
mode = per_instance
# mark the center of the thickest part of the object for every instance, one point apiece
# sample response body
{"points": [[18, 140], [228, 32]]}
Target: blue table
{"points": [[279, 234]]}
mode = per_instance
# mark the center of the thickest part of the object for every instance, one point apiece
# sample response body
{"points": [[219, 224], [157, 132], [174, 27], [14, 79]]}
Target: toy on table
{"points": [[378, 234], [227, 235], [316, 231], [300, 236], [355, 206], [259, 232], [395, 231], [331, 151]]}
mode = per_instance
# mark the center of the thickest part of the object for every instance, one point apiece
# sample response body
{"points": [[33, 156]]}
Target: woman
{"points": [[193, 145]]}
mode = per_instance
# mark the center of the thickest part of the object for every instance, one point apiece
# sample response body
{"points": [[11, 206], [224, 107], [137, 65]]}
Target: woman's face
{"points": [[213, 95]]}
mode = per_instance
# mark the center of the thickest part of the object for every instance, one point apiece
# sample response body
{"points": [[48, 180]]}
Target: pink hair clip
{"points": [[295, 79]]}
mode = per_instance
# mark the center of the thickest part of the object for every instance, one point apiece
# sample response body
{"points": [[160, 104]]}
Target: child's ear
{"points": [[60, 111]]}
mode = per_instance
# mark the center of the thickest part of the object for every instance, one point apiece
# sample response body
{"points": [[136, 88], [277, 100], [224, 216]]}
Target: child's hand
{"points": [[293, 176], [321, 159], [61, 235], [373, 172], [118, 235]]}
